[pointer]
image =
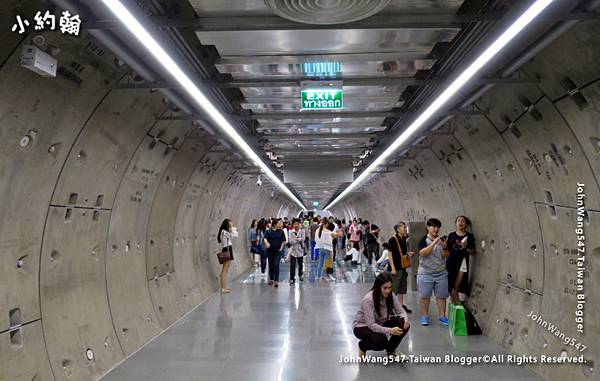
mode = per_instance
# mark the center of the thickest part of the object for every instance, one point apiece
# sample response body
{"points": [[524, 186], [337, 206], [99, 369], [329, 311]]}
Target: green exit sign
{"points": [[322, 99], [315, 203]]}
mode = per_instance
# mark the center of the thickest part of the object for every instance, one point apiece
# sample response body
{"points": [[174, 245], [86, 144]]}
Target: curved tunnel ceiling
{"points": [[110, 193]]}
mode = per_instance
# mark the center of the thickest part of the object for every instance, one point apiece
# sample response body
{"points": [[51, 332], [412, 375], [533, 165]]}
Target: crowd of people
{"points": [[381, 321]]}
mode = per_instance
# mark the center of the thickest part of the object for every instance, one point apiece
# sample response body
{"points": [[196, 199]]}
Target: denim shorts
{"points": [[429, 283]]}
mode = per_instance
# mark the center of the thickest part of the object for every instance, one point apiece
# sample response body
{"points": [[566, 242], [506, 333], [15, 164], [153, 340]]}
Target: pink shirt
{"points": [[354, 233], [367, 317]]}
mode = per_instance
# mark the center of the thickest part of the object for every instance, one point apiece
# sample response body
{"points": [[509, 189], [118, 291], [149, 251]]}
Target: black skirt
{"points": [[230, 249]]}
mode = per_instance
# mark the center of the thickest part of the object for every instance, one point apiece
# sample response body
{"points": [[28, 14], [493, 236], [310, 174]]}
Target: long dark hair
{"points": [[327, 224], [262, 225], [380, 280], [467, 220], [224, 226], [252, 224]]}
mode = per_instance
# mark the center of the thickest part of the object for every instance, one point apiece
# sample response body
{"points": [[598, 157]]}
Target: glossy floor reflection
{"points": [[296, 333]]}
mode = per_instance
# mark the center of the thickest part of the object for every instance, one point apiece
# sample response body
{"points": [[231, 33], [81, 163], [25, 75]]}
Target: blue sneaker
{"points": [[424, 320], [443, 320]]}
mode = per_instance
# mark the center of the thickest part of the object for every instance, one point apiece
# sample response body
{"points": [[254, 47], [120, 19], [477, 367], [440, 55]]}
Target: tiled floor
{"points": [[296, 333]]}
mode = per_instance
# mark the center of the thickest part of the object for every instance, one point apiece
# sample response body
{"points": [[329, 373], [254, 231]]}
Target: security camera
{"points": [[258, 181]]}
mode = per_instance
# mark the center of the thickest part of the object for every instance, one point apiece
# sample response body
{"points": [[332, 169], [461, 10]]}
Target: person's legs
{"points": [[312, 249], [263, 262], [455, 289], [273, 258], [424, 304], [441, 292], [276, 262], [369, 340], [425, 286], [293, 268], [321, 263], [369, 253], [452, 277], [441, 304], [402, 289], [224, 270], [376, 252], [396, 284], [323, 257], [300, 267]]}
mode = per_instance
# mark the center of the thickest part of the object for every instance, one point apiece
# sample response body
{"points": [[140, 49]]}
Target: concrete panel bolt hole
{"points": [[588, 368], [25, 140], [68, 213], [89, 354], [524, 333], [67, 366], [21, 263], [54, 256], [53, 150], [533, 250], [14, 318], [81, 157], [16, 338]]}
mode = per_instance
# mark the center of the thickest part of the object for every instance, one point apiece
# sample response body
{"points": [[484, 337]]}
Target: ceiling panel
{"points": [[257, 58], [216, 8], [323, 130], [319, 122], [290, 105], [349, 91], [257, 42], [330, 69]]}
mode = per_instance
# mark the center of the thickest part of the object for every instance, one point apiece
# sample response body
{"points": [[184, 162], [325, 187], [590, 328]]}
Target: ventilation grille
{"points": [[326, 11]]}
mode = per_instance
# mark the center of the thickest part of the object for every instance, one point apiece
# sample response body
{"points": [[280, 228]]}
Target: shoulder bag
{"points": [[404, 259], [224, 255]]}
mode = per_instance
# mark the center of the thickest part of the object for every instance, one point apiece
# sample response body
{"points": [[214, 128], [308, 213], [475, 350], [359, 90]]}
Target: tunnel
{"points": [[130, 130]]}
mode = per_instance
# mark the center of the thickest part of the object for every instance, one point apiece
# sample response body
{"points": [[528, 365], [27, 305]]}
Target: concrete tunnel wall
{"points": [[515, 172], [108, 217]]}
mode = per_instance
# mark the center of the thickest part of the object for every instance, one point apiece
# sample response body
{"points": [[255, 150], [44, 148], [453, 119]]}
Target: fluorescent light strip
{"points": [[186, 82], [531, 13]]}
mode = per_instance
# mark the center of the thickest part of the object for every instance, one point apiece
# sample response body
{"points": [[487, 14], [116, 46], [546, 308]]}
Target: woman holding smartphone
{"points": [[380, 316]]}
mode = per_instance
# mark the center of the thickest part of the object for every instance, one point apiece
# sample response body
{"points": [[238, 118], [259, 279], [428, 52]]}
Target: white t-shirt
{"points": [[384, 256], [325, 241], [226, 237], [352, 251]]}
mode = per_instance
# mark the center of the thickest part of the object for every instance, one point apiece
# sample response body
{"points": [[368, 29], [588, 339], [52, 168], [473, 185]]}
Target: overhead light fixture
{"points": [[513, 30], [154, 48]]}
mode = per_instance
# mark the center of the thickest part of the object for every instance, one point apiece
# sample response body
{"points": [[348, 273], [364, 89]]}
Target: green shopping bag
{"points": [[456, 320]]}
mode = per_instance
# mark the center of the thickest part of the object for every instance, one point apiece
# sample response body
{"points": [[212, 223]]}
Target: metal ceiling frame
{"points": [[381, 21], [296, 82], [314, 115]]}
